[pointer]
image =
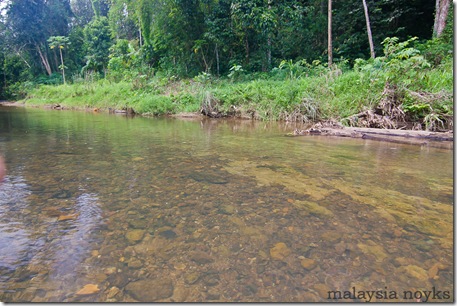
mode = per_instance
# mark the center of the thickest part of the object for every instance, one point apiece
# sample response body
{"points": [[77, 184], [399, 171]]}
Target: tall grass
{"points": [[296, 92]]}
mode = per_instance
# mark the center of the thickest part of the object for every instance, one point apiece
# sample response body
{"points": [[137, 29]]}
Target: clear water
{"points": [[99, 207]]}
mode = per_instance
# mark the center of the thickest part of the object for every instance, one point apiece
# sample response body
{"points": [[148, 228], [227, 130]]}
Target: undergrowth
{"points": [[401, 82]]}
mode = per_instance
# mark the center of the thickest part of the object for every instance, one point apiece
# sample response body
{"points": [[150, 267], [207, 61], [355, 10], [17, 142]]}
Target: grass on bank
{"points": [[295, 92]]}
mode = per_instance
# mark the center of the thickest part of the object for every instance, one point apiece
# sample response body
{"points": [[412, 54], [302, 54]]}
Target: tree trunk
{"points": [[370, 37], [441, 12], [247, 48], [18, 52], [44, 60], [330, 48], [56, 63], [204, 60], [139, 32], [217, 60], [63, 67], [269, 43]]}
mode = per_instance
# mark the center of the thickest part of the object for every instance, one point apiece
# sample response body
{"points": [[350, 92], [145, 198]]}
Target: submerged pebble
{"points": [[150, 290], [134, 236]]}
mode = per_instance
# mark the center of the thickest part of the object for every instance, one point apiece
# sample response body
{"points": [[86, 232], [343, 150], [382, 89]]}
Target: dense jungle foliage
{"points": [[259, 58]]}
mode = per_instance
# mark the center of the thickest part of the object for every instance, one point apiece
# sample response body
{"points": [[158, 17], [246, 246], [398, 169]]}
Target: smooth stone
{"points": [[314, 209], [180, 266], [180, 294], [100, 277], [415, 271], [118, 279], [331, 236], [135, 264], [211, 280], [201, 257], [213, 295], [67, 217], [404, 261], [169, 234], [376, 250], [107, 250], [138, 223], [88, 289], [110, 270], [280, 251], [191, 278], [112, 292], [308, 263], [309, 297], [135, 235], [149, 290], [322, 290], [227, 209], [435, 269], [62, 194]]}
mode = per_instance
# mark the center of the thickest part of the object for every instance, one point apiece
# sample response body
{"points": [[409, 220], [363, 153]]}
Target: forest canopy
{"points": [[186, 37]]}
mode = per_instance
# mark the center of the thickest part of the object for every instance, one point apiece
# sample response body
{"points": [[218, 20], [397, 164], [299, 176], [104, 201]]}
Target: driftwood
{"points": [[433, 139]]}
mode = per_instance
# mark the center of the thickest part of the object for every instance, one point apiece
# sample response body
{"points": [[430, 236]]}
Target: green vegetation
{"points": [[255, 59]]}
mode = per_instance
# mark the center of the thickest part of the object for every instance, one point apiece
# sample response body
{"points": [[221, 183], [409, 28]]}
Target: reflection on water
{"points": [[107, 208]]}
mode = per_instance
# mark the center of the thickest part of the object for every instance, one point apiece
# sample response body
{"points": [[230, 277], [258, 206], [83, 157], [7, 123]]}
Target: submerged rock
{"points": [[88, 289], [67, 217], [169, 234], [280, 251], [135, 263], [149, 290], [376, 250], [313, 208], [112, 292], [227, 209], [415, 272], [138, 223], [201, 257], [308, 263], [135, 236], [322, 290], [434, 270], [191, 278]]}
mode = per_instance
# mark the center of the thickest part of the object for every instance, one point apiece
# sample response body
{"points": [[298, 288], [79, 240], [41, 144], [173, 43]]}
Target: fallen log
{"points": [[433, 139]]}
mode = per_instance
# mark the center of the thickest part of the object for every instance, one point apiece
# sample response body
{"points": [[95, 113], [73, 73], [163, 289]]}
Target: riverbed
{"points": [[110, 208]]}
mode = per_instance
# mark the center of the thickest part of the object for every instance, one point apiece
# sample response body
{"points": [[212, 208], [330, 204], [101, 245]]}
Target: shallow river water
{"points": [[106, 208]]}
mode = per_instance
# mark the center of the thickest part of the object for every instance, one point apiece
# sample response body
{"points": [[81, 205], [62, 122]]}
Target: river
{"points": [[108, 208]]}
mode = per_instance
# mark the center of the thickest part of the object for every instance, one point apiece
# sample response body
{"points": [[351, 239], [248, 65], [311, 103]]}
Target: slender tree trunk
{"points": [[56, 63], [370, 37], [217, 60], [330, 48], [441, 12], [247, 48], [44, 60], [63, 67], [22, 58], [139, 33], [204, 60], [269, 43]]}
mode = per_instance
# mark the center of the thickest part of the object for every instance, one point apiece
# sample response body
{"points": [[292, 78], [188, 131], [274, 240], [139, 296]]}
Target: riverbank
{"points": [[387, 92], [442, 139]]}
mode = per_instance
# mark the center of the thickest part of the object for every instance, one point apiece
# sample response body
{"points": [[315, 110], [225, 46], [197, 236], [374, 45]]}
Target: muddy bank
{"points": [[423, 138]]}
